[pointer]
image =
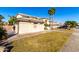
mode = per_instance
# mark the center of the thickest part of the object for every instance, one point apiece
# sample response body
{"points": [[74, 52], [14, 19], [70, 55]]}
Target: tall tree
{"points": [[51, 12], [12, 20], [71, 24]]}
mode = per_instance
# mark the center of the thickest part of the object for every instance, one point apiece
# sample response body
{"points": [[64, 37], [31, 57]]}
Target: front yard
{"points": [[46, 42]]}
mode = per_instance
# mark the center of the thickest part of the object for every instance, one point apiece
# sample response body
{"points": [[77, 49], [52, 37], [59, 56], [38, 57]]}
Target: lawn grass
{"points": [[46, 42]]}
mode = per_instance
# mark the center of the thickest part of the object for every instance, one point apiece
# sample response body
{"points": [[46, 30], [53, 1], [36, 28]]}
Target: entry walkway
{"points": [[73, 44]]}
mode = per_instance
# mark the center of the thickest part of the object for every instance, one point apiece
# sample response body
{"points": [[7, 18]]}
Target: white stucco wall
{"points": [[16, 28], [26, 27], [55, 26]]}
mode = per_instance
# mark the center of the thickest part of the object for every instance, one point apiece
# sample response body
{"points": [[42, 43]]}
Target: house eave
{"points": [[29, 20]]}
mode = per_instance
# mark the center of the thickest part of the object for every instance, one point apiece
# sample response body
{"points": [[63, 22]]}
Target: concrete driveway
{"points": [[10, 33]]}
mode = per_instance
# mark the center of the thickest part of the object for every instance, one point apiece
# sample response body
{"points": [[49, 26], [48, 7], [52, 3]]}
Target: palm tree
{"points": [[51, 12]]}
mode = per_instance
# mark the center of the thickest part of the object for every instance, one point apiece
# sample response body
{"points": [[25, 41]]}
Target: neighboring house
{"points": [[54, 25], [77, 27], [46, 21], [28, 24], [8, 28]]}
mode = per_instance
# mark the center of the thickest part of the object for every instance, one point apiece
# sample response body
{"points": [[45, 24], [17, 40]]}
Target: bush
{"points": [[46, 25], [3, 34], [71, 24]]}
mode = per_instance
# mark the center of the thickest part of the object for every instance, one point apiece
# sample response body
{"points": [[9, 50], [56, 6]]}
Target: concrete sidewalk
{"points": [[73, 44]]}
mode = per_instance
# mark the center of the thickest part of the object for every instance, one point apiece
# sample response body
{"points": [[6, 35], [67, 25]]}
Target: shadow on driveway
{"points": [[10, 33]]}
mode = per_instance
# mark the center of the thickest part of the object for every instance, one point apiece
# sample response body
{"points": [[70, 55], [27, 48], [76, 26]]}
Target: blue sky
{"points": [[67, 13], [62, 13]]}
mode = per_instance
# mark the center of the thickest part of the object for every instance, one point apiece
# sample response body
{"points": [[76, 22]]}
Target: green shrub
{"points": [[46, 25], [3, 34]]}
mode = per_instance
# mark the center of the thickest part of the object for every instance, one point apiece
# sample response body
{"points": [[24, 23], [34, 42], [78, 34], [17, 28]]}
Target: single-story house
{"points": [[28, 24], [54, 25]]}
